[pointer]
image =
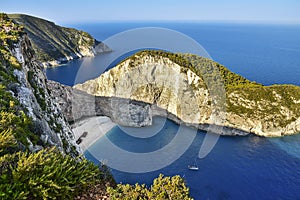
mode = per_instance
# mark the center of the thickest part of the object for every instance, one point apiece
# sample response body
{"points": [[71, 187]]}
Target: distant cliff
{"points": [[197, 91], [54, 44]]}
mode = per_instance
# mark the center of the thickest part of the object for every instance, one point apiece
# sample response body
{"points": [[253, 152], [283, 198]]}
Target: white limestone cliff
{"points": [[182, 96]]}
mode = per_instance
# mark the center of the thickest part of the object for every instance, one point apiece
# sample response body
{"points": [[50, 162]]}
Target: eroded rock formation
{"points": [[183, 95]]}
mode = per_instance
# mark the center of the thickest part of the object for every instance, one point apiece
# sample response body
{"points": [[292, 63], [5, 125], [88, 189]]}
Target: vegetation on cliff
{"points": [[12, 116], [201, 66], [276, 104], [52, 42]]}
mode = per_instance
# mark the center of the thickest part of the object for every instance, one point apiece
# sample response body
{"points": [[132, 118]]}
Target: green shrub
{"points": [[162, 188], [13, 118], [7, 142], [45, 175]]}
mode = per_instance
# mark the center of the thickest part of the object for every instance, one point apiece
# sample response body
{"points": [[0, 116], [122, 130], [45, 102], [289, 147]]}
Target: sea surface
{"points": [[238, 167]]}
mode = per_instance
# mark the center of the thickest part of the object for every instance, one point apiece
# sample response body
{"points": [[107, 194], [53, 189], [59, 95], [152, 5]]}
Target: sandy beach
{"points": [[91, 129]]}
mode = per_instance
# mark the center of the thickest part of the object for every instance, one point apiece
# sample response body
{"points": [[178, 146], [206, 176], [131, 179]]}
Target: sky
{"points": [[73, 11]]}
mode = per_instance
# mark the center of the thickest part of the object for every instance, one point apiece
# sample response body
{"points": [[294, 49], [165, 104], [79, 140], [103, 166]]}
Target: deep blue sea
{"points": [[238, 167]]}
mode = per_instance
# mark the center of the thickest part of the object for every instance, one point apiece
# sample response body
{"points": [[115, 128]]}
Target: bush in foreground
{"points": [[44, 175], [162, 188]]}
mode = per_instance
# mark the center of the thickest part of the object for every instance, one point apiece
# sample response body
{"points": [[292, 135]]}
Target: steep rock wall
{"points": [[178, 93], [32, 92]]}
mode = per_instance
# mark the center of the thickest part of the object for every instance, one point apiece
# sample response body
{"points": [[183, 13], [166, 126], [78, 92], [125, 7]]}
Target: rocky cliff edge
{"points": [[201, 93]]}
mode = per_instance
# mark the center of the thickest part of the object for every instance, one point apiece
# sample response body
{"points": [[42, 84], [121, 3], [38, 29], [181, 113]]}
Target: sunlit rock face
{"points": [[156, 81], [32, 91], [180, 94]]}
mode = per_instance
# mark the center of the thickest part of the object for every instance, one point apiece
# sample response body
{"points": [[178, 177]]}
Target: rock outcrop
{"points": [[54, 44], [77, 105], [188, 94], [25, 80]]}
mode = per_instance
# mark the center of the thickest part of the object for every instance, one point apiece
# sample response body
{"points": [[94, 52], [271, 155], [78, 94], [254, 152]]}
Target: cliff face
{"points": [[34, 95], [76, 105], [54, 44], [266, 111], [156, 81], [181, 94], [25, 80]]}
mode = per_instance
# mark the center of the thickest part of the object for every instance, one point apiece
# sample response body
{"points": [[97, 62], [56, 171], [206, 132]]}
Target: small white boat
{"points": [[193, 167]]}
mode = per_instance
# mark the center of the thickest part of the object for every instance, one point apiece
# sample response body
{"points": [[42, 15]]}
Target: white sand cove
{"points": [[94, 128]]}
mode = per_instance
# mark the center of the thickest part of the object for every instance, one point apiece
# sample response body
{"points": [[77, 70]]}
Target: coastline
{"points": [[61, 61], [94, 128], [64, 60]]}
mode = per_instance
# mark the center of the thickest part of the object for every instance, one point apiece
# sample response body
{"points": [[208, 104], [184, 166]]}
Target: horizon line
{"points": [[254, 22], [223, 21]]}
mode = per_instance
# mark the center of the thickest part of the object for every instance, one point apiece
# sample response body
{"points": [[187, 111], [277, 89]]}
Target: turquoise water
{"points": [[238, 167]]}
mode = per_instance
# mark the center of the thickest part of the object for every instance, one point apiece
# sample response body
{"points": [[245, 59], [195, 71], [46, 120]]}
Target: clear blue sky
{"points": [[69, 11]]}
